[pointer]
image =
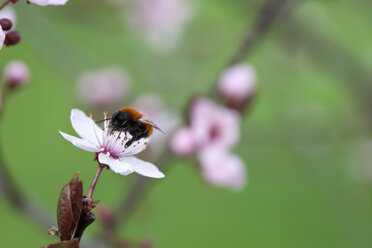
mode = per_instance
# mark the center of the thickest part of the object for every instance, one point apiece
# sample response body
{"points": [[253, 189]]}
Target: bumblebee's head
{"points": [[119, 120]]}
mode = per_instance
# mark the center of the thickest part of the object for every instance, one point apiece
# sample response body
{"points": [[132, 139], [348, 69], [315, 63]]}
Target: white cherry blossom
{"points": [[110, 146]]}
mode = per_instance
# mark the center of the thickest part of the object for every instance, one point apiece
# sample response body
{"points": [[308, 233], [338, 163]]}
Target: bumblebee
{"points": [[129, 120]]}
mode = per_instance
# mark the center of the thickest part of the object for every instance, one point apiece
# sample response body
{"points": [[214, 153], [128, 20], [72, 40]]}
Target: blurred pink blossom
{"points": [[16, 73], [162, 22], [237, 84], [48, 2], [105, 214], [183, 142], [103, 88], [213, 124], [154, 108], [221, 168], [212, 131], [209, 125]]}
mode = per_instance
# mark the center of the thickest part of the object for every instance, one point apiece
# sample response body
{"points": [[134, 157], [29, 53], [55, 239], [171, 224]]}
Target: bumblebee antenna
{"points": [[103, 120], [158, 128]]}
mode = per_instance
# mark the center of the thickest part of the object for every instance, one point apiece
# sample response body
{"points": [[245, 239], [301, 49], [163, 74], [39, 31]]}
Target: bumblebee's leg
{"points": [[141, 135], [129, 142]]}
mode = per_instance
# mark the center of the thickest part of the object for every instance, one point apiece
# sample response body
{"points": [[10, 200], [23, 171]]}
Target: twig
{"points": [[94, 182], [4, 4], [22, 202], [268, 14], [265, 20]]}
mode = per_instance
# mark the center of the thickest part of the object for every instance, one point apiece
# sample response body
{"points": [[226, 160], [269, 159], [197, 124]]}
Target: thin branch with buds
{"points": [[268, 15]]}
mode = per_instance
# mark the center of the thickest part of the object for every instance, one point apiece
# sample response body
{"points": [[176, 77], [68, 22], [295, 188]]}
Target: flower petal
{"points": [[116, 165], [85, 127], [82, 144], [183, 142], [48, 2], [221, 168], [57, 2], [40, 2], [136, 147], [208, 126], [2, 37], [142, 167]]}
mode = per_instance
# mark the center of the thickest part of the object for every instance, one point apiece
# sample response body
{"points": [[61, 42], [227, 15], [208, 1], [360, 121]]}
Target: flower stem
{"points": [[4, 4], [94, 182]]}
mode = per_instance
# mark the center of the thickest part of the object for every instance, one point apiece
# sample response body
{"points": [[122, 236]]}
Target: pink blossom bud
{"points": [[237, 85], [183, 142], [10, 14], [6, 24], [213, 124], [16, 73], [221, 168], [162, 22], [12, 38], [103, 88]]}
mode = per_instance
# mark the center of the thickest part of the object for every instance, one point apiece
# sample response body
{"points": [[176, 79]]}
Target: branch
{"points": [[268, 14], [265, 20], [4, 4], [21, 202]]}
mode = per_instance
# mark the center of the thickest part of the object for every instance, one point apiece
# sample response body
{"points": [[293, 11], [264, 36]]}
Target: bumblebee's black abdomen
{"points": [[137, 130], [127, 120]]}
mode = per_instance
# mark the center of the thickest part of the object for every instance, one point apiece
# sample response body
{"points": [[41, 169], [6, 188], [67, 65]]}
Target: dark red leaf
{"points": [[76, 193], [64, 213], [69, 207]]}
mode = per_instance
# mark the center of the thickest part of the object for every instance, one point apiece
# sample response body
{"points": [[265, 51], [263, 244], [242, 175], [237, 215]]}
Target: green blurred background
{"points": [[306, 141]]}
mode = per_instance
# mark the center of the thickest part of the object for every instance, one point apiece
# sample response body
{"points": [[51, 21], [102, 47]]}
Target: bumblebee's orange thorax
{"points": [[133, 114], [149, 129]]}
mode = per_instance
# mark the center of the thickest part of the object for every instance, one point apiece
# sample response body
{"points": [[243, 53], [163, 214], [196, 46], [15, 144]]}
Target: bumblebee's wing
{"points": [[143, 119]]}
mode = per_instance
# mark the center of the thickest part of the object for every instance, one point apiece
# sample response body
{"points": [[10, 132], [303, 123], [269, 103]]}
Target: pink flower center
{"points": [[214, 132], [111, 151]]}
